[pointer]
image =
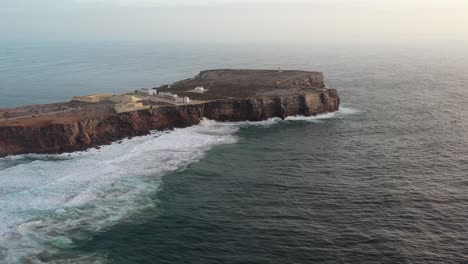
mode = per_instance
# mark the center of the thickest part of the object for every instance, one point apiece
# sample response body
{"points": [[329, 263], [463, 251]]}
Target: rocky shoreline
{"points": [[82, 134]]}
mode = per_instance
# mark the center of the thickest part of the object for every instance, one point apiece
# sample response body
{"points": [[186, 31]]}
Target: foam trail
{"points": [[44, 197]]}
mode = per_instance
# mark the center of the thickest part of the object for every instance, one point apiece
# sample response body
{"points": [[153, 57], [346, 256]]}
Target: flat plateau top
{"points": [[247, 83], [217, 84]]}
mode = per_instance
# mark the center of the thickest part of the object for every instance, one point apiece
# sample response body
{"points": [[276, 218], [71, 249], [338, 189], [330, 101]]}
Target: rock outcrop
{"points": [[84, 134]]}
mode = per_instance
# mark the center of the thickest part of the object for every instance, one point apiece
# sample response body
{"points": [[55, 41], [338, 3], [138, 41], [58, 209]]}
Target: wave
{"points": [[348, 110], [343, 111], [44, 197]]}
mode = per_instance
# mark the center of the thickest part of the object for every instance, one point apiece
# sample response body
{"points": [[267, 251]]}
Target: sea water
{"points": [[383, 180]]}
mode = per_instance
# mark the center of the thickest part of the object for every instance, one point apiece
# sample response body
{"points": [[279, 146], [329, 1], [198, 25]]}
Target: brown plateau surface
{"points": [[229, 95]]}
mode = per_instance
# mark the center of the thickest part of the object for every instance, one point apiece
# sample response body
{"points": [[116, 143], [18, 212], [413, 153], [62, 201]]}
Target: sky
{"points": [[232, 21]]}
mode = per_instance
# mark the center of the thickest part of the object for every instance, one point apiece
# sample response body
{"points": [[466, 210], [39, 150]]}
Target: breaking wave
{"points": [[343, 111], [50, 201]]}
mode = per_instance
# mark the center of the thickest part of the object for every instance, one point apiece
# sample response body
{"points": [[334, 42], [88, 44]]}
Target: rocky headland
{"points": [[228, 95]]}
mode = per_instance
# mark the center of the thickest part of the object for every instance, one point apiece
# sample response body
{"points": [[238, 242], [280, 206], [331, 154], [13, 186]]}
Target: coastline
{"points": [[71, 133]]}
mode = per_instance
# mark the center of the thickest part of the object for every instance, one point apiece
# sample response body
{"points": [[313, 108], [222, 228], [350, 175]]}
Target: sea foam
{"points": [[45, 197]]}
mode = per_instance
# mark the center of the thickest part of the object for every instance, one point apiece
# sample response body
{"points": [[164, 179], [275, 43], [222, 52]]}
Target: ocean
{"points": [[383, 180]]}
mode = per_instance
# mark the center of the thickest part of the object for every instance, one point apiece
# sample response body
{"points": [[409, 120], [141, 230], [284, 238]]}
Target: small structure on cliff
{"points": [[129, 107], [97, 98], [125, 98], [175, 97], [147, 91], [128, 103], [92, 98], [184, 100], [152, 92]]}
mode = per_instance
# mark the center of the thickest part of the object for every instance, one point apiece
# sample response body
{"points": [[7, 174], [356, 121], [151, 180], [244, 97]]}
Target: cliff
{"points": [[84, 134]]}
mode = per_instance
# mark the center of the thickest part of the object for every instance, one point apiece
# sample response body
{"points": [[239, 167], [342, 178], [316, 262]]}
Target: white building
{"points": [[184, 100], [152, 92], [200, 89], [168, 95]]}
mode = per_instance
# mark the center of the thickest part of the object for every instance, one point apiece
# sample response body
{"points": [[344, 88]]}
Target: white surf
{"points": [[48, 201]]}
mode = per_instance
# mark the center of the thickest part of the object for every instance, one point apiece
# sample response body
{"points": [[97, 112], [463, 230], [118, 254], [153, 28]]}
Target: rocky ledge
{"points": [[230, 95]]}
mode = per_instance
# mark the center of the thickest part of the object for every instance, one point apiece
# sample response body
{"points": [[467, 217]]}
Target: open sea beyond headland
{"points": [[383, 180]]}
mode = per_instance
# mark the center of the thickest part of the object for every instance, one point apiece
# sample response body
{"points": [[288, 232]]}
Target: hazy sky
{"points": [[323, 21]]}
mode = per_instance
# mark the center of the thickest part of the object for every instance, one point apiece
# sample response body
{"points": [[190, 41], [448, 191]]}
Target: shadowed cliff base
{"points": [[222, 95]]}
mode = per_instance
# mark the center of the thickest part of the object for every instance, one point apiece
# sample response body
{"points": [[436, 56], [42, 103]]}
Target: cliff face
{"points": [[81, 135]]}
